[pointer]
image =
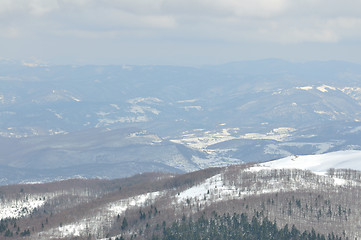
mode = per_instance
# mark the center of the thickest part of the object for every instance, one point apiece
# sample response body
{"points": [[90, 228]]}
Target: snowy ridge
{"points": [[319, 163], [220, 188]]}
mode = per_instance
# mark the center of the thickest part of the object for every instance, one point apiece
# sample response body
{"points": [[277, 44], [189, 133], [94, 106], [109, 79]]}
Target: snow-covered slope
{"points": [[16, 208], [318, 163], [216, 188]]}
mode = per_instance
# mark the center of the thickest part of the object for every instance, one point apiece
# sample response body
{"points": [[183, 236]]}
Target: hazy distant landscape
{"points": [[116, 121]]}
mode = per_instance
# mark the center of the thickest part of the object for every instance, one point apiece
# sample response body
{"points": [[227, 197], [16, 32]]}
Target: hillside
{"points": [[319, 164], [153, 205]]}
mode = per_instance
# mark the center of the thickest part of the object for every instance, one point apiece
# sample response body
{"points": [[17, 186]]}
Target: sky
{"points": [[179, 32]]}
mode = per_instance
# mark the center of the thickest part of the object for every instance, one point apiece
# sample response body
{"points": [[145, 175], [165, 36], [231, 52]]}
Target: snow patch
{"points": [[58, 115], [36, 63], [142, 109], [148, 100], [277, 92], [201, 139], [56, 131], [353, 92], [115, 106], [187, 108], [306, 88], [22, 206], [144, 137], [103, 114], [107, 121], [75, 99], [278, 134], [120, 206], [324, 88], [187, 101], [321, 112], [200, 190]]}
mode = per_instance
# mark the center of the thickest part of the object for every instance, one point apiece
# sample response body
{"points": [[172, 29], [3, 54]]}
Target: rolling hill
{"points": [[306, 198]]}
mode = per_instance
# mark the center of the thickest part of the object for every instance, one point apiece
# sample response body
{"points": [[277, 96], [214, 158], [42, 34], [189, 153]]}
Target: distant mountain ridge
{"points": [[208, 116]]}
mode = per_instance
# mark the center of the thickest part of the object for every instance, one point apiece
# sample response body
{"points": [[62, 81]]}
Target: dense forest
{"points": [[227, 227]]}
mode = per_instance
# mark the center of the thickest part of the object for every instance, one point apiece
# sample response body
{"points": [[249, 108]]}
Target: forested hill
{"points": [[280, 203]]}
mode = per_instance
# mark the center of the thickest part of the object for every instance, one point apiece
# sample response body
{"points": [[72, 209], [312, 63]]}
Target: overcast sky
{"points": [[179, 32]]}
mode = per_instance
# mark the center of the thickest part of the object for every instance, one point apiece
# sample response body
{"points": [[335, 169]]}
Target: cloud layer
{"points": [[176, 21]]}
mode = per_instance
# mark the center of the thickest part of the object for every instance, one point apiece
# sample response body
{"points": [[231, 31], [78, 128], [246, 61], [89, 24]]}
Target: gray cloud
{"points": [[221, 21]]}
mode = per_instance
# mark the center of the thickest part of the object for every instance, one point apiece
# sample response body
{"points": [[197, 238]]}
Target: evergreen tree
{"points": [[124, 223]]}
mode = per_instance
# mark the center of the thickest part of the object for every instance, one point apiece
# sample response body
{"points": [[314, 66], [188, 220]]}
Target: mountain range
{"points": [[59, 122]]}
